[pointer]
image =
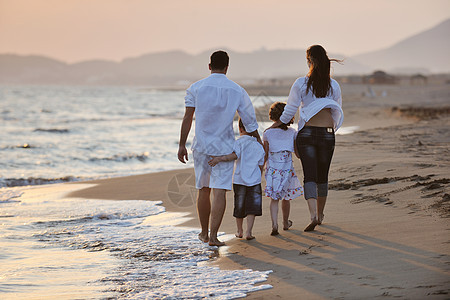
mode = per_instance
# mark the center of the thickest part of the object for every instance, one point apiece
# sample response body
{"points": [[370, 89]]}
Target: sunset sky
{"points": [[74, 30]]}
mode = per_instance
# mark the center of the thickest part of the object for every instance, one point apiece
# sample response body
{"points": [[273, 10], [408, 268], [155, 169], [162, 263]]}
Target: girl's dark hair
{"points": [[275, 112], [319, 71]]}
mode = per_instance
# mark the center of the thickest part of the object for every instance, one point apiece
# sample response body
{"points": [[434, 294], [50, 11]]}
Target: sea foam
{"points": [[129, 249]]}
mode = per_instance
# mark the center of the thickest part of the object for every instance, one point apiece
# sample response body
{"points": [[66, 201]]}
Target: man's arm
{"points": [[217, 159], [185, 129], [247, 114]]}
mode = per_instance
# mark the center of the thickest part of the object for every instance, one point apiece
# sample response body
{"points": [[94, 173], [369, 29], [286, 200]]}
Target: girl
{"points": [[281, 181], [317, 97]]}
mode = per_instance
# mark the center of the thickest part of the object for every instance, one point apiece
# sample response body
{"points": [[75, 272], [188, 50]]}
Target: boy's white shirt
{"points": [[250, 155]]}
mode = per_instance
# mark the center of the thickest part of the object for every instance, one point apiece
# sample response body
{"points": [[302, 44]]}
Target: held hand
{"points": [[275, 124], [182, 154], [214, 161]]}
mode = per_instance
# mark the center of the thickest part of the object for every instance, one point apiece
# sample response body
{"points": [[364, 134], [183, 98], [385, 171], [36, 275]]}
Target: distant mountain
{"points": [[30, 69], [425, 52], [428, 50], [164, 68]]}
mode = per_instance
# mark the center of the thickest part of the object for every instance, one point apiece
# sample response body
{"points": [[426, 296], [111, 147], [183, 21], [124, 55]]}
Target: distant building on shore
{"points": [[379, 77], [418, 79]]}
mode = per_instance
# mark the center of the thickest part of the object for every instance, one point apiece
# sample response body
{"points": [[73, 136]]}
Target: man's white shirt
{"points": [[216, 100]]}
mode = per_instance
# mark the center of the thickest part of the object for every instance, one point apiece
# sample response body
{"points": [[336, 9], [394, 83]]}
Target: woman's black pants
{"points": [[315, 147]]}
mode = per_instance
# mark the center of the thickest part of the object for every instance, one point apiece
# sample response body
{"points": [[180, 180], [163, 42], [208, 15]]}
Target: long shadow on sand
{"points": [[334, 263]]}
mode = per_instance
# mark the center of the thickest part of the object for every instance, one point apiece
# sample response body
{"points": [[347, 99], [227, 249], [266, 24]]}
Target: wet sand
{"points": [[386, 227]]}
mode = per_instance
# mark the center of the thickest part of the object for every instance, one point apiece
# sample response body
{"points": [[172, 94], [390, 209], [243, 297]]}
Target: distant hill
{"points": [[425, 52], [164, 68], [428, 50], [30, 69]]}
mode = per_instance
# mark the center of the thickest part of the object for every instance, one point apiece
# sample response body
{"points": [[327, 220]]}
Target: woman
{"points": [[317, 97]]}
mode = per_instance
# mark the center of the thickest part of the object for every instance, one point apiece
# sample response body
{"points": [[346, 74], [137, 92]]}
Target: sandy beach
{"points": [[386, 227]]}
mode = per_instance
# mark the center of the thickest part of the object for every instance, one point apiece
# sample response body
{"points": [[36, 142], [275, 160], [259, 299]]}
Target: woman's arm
{"points": [[337, 96], [247, 113], [292, 105], [275, 124]]}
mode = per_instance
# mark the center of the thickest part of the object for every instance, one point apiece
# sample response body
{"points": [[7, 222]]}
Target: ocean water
{"points": [[57, 133], [59, 248]]}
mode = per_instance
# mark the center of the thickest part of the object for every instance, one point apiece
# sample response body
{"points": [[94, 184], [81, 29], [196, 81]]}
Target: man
{"points": [[215, 100]]}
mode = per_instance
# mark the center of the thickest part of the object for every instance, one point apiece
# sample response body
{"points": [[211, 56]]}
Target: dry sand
{"points": [[386, 227]]}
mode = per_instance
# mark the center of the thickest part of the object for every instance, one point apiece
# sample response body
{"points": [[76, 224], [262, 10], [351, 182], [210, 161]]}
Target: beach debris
{"points": [[304, 252], [382, 199], [25, 146]]}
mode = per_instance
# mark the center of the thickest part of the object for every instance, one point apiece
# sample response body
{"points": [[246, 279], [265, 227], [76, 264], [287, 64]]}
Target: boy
{"points": [[249, 154]]}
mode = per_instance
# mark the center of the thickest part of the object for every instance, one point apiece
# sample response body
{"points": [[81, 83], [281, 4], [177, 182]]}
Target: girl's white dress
{"points": [[281, 180]]}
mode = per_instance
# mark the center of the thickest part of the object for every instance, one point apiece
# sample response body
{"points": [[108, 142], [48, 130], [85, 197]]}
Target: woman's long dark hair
{"points": [[319, 71]]}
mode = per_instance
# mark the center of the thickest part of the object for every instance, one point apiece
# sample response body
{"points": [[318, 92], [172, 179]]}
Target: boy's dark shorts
{"points": [[247, 200]]}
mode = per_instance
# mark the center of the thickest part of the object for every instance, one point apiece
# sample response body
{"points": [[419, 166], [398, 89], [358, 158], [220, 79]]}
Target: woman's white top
{"points": [[279, 139], [309, 105], [250, 155]]}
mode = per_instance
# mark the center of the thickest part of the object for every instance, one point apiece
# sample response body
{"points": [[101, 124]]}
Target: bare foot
{"points": [[288, 225], [250, 237], [238, 235], [203, 237], [319, 222], [216, 242], [312, 225]]}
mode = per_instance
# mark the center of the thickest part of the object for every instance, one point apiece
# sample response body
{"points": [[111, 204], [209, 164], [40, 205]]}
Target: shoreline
{"points": [[386, 225]]}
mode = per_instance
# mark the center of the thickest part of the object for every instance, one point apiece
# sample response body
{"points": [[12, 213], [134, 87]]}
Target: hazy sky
{"points": [[74, 30]]}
